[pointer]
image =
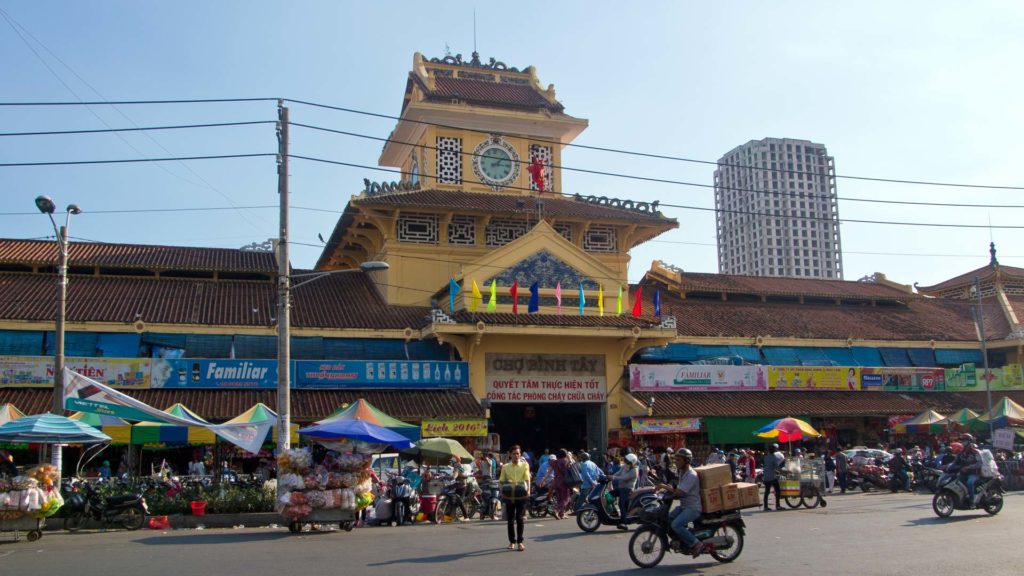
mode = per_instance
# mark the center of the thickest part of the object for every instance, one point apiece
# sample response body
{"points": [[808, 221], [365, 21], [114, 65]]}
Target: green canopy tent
{"points": [[260, 412], [363, 410], [9, 413], [927, 422], [958, 421], [1005, 413]]}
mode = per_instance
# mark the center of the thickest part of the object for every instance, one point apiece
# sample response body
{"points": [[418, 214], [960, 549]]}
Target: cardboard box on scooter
{"points": [[713, 475], [750, 494], [711, 500], [730, 496]]}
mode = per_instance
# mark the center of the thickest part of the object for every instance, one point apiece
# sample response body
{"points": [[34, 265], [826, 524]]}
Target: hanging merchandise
{"points": [[333, 490]]}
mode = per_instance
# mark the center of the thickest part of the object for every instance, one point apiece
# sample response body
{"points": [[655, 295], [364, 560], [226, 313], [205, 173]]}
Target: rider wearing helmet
{"points": [[968, 465], [624, 482], [687, 491], [589, 475]]}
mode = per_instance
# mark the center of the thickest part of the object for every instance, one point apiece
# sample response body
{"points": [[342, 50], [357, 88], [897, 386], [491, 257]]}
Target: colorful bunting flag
{"points": [[475, 298], [534, 304], [514, 291], [637, 299], [657, 302], [536, 170], [583, 300], [453, 291], [600, 299], [492, 304], [618, 303], [558, 297]]}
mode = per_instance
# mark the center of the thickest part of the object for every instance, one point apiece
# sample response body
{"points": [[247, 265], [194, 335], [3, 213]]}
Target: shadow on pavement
{"points": [[211, 537], [666, 567], [579, 534], [935, 520], [442, 558]]}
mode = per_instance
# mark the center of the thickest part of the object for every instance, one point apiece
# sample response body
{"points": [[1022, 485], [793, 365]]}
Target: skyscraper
{"points": [[776, 210]]}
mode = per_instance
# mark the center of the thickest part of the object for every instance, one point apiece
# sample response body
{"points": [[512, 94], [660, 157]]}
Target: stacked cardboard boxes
{"points": [[750, 495], [712, 477]]}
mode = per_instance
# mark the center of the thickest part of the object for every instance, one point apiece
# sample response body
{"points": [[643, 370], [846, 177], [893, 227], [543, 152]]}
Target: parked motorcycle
{"points": [[926, 476], [720, 534], [952, 495], [84, 502], [490, 499], [872, 476], [540, 504], [404, 500], [456, 502], [599, 509]]}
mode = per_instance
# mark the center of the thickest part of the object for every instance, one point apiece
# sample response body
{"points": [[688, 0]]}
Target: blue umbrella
{"points": [[50, 429], [358, 430]]}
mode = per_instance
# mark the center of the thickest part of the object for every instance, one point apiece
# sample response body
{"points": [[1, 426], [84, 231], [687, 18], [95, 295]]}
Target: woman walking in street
{"points": [[556, 479], [515, 474]]}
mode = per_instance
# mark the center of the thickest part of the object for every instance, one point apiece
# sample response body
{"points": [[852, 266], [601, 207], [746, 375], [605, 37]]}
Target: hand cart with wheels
{"points": [[345, 519], [33, 527], [811, 492]]}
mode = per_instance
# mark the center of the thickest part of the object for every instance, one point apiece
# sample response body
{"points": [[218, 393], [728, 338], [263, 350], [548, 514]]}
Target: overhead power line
{"points": [[131, 160], [137, 129]]}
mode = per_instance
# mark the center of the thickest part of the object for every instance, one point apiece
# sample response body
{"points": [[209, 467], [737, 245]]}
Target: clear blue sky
{"points": [[910, 90]]}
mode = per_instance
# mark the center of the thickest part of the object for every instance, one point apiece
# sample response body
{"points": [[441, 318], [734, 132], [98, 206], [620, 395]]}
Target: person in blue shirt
{"points": [[589, 475], [542, 470], [105, 470]]}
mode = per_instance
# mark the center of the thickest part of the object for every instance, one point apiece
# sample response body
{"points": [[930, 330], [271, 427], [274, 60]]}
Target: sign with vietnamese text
{"points": [[1003, 438], [903, 379], [407, 374], [813, 378], [696, 377], [37, 371], [461, 427], [645, 426], [545, 378]]}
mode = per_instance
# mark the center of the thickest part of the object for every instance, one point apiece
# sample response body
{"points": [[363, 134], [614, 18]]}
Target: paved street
{"points": [[857, 534]]}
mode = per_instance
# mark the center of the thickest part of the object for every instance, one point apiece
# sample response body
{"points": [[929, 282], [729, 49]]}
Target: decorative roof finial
{"points": [[992, 251]]}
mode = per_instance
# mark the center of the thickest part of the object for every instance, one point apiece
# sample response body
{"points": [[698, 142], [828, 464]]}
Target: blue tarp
{"points": [[781, 356], [75, 344], [813, 357], [21, 343], [118, 345], [923, 357], [865, 356], [957, 357], [840, 356], [895, 357], [208, 345]]}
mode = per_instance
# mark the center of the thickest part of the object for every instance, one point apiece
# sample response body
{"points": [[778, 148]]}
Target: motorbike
{"points": [[720, 534], [871, 475], [952, 495], [540, 504], [926, 476], [490, 499], [404, 500], [84, 502], [456, 502], [599, 508]]}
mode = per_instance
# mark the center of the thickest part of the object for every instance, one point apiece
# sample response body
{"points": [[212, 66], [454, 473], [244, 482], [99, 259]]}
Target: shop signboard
{"points": [[220, 373], [1003, 438], [37, 371], [903, 379], [814, 378], [401, 374], [543, 378], [963, 378], [447, 428], [696, 377], [647, 426]]}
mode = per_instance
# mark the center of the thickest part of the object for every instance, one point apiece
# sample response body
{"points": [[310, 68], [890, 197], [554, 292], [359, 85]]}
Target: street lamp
{"points": [[284, 341], [976, 289], [46, 205]]}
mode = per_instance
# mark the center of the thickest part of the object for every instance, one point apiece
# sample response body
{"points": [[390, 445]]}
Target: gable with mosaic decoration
{"points": [[545, 268]]}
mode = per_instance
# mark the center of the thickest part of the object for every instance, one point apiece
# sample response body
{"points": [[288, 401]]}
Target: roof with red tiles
{"points": [[44, 253], [494, 203], [306, 405], [812, 403], [334, 301], [967, 279], [487, 93], [730, 283]]}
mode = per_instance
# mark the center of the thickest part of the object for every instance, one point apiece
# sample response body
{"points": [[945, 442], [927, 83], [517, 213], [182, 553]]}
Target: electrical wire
{"points": [[137, 129], [131, 160]]}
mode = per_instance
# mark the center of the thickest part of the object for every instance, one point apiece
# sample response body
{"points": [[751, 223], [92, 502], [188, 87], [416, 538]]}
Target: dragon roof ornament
{"points": [[475, 62]]}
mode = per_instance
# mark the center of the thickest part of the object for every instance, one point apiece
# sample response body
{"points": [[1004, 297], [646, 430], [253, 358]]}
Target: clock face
{"points": [[495, 163]]}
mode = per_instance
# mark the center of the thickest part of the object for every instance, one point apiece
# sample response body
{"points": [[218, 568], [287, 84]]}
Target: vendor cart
{"points": [[811, 490], [33, 527], [345, 519]]}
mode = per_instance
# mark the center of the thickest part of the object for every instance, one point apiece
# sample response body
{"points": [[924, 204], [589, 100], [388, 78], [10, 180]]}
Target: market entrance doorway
{"points": [[539, 427]]}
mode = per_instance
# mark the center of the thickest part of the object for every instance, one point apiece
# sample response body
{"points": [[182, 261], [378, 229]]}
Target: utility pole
{"points": [[283, 289], [984, 356]]}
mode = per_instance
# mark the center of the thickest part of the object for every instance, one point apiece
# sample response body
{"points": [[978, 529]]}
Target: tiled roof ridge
{"points": [[14, 250], [963, 279], [749, 286]]}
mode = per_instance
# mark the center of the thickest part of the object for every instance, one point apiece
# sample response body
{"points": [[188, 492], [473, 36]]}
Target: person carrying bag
{"points": [[515, 491]]}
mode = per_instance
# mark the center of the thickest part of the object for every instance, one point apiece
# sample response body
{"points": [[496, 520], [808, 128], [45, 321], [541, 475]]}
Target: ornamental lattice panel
{"points": [[502, 231], [462, 231], [417, 228], [546, 157], [449, 160], [565, 230], [600, 238]]}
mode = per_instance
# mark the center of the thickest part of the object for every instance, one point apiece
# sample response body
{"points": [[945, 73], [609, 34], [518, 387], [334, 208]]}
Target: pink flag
{"points": [[558, 297]]}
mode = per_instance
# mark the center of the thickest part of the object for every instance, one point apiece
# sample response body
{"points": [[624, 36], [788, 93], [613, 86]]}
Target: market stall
{"points": [[335, 489], [26, 501]]}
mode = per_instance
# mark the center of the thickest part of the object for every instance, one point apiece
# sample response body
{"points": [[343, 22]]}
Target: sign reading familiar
{"points": [[222, 373], [696, 377], [537, 378]]}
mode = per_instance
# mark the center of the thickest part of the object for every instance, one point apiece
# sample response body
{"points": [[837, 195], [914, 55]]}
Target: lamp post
{"points": [[984, 353], [284, 340], [46, 205]]}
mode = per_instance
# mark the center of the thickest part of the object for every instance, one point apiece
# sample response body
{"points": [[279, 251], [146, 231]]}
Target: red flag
{"points": [[514, 291], [536, 170], [637, 302]]}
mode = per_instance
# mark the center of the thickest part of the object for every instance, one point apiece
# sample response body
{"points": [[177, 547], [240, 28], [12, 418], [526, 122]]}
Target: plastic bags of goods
{"points": [[45, 474], [363, 500], [296, 460], [51, 503], [296, 506], [290, 481]]}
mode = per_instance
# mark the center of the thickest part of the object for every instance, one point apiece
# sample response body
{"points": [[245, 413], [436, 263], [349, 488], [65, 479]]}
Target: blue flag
{"points": [[534, 299], [657, 302], [583, 301], [453, 291]]}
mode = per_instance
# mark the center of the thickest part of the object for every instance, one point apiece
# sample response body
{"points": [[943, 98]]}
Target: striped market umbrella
{"points": [[163, 433], [261, 413], [927, 422], [787, 430], [366, 412], [50, 429], [9, 412]]}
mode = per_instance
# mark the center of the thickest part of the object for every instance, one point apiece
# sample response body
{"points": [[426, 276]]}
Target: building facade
{"points": [[776, 210]]}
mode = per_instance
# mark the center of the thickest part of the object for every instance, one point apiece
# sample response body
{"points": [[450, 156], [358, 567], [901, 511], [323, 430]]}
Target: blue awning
{"points": [[813, 357], [895, 357], [781, 356], [866, 356], [840, 356], [21, 342], [957, 357], [118, 345], [922, 357], [748, 353]]}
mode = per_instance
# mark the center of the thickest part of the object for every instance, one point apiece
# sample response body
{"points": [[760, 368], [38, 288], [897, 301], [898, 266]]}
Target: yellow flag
{"points": [[618, 303], [474, 300], [492, 304], [600, 299]]}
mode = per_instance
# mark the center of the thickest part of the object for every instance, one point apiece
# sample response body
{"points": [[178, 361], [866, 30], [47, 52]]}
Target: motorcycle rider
{"points": [[625, 482], [968, 465], [687, 491], [898, 467], [589, 474]]}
